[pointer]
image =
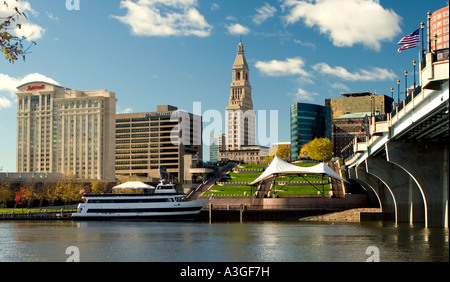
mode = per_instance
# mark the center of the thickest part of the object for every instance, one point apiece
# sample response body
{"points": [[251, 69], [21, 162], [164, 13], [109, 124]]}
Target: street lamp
{"points": [[429, 32], [414, 64], [406, 84], [435, 42], [392, 93], [422, 26], [398, 91]]}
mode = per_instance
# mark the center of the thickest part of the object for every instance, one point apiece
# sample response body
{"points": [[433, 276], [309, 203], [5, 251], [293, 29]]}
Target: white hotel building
{"points": [[60, 130]]}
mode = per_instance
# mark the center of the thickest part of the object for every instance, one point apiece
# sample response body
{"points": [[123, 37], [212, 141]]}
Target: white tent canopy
{"points": [[133, 185], [278, 166]]}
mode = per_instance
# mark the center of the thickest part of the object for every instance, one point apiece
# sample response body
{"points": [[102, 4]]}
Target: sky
{"points": [[180, 52]]}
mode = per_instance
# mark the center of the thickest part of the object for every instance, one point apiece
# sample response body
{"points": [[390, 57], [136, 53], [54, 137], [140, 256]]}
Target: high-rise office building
{"points": [[360, 102], [156, 145], [308, 121], [439, 29], [60, 130], [217, 143], [345, 129], [350, 117]]}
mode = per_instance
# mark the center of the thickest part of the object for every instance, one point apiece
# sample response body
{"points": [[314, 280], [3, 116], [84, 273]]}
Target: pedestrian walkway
{"points": [[211, 181]]}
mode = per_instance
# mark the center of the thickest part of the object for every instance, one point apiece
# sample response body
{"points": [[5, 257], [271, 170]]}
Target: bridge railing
{"points": [[435, 69]]}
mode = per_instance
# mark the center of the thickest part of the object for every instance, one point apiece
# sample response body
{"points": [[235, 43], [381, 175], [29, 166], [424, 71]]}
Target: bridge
{"points": [[403, 161]]}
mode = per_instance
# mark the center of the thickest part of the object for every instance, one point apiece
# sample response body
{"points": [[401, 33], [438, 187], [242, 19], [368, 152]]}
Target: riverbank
{"points": [[304, 215], [41, 215], [351, 215]]}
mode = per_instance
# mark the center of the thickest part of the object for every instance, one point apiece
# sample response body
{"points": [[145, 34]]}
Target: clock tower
{"points": [[240, 116]]}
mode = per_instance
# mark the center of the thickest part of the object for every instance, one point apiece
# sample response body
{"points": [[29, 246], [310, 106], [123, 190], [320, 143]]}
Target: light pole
{"points": [[398, 91], [435, 43], [392, 93], [429, 32], [414, 64], [422, 26], [406, 84]]}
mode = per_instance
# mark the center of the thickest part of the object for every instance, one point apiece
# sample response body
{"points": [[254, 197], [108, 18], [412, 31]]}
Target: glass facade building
{"points": [[308, 121]]}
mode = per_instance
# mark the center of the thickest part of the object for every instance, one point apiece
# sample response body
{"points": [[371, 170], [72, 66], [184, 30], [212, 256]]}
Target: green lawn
{"points": [[238, 191], [249, 177], [301, 190], [241, 177], [285, 190], [230, 191], [250, 166]]}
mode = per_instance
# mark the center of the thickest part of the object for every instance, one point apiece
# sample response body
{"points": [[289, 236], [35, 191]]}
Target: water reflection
{"points": [[189, 241]]}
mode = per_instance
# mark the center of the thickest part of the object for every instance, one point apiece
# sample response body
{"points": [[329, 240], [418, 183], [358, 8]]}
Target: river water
{"points": [[58, 241]]}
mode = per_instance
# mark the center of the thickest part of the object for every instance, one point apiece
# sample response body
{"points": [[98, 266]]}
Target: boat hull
{"points": [[175, 211]]}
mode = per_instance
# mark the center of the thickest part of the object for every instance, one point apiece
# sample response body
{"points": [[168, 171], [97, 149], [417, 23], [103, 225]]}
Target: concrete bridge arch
{"points": [[427, 164], [410, 180]]}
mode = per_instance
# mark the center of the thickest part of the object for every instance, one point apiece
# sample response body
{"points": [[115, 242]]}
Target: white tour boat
{"points": [[160, 203]]}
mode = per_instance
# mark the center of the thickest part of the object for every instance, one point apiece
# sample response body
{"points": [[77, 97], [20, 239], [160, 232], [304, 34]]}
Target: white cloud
{"points": [[5, 103], [124, 111], [31, 32], [237, 29], [339, 86], [8, 86], [264, 13], [164, 18], [215, 6], [346, 22], [372, 74], [289, 67], [303, 95], [305, 44], [52, 16], [28, 29]]}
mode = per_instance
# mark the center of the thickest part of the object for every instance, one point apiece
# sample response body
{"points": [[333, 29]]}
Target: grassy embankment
{"points": [[242, 191]]}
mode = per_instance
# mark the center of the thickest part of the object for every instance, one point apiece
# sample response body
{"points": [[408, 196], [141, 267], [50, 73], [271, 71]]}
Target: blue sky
{"points": [[153, 52]]}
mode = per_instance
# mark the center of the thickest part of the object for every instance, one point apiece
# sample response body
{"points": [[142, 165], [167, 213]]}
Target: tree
{"points": [[304, 151], [11, 45], [319, 149], [39, 191], [283, 152], [6, 193], [68, 189], [22, 197], [97, 187]]}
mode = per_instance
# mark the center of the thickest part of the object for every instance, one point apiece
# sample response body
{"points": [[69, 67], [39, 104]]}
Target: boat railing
{"points": [[132, 194]]}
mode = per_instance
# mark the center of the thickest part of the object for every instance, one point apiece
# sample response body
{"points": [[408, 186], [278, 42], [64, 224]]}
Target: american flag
{"points": [[409, 41]]}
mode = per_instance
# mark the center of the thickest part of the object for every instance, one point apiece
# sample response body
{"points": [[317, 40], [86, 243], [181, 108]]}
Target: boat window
{"points": [[166, 187]]}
